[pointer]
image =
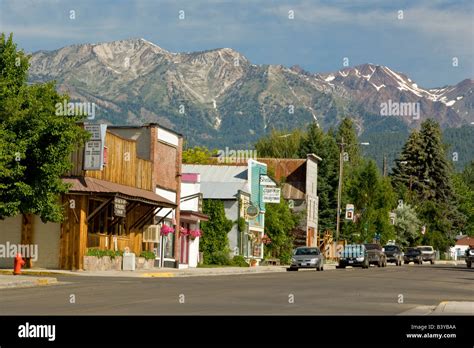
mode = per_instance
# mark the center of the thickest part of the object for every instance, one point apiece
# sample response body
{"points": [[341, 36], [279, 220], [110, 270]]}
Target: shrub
{"points": [[101, 253], [220, 257], [148, 255], [239, 261]]}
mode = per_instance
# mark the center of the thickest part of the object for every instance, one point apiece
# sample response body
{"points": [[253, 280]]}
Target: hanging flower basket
{"points": [[195, 233], [184, 231], [165, 230]]}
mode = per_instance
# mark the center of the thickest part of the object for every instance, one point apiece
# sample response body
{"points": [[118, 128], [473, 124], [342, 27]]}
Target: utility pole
{"points": [[339, 188]]}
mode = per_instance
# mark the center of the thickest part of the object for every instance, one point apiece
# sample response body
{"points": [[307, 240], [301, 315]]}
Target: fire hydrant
{"points": [[19, 262]]}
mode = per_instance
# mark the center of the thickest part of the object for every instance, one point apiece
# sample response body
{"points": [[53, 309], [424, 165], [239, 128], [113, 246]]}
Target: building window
{"points": [[168, 243]]}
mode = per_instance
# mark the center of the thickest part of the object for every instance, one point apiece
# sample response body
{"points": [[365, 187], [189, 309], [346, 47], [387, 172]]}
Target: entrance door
{"points": [[184, 249]]}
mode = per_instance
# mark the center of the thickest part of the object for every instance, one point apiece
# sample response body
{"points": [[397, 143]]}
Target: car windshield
{"points": [[413, 251], [426, 248], [307, 251], [353, 250], [371, 246], [390, 248]]}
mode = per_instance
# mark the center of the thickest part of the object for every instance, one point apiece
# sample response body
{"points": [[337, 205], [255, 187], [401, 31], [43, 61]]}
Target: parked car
{"points": [[307, 257], [469, 256], [355, 255], [393, 254], [376, 255], [427, 253], [413, 255]]}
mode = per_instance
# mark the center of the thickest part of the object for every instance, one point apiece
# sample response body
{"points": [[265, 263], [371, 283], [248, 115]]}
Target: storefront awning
{"points": [[86, 185], [193, 216]]}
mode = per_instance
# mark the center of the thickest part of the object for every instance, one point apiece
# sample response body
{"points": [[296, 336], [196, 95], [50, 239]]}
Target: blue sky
{"points": [[421, 45]]}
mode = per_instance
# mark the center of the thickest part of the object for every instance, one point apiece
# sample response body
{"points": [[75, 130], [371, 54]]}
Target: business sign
{"points": [[265, 180], [94, 147], [271, 195], [120, 206], [350, 212], [252, 211]]}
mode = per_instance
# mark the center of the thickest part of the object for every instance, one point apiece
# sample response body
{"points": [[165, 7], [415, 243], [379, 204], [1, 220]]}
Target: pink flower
{"points": [[165, 230], [195, 233], [184, 231]]}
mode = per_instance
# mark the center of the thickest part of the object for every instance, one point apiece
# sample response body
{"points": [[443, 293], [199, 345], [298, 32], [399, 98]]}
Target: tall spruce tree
{"points": [[324, 145]]}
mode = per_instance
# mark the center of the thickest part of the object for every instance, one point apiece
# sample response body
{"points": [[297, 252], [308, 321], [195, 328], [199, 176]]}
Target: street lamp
{"points": [[339, 188]]}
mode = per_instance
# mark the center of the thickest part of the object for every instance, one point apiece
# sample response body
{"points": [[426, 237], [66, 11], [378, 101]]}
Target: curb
{"points": [[28, 283]]}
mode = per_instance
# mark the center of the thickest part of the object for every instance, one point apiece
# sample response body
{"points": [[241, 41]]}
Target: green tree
{"points": [[36, 143], [324, 145], [423, 177], [346, 131], [464, 188], [214, 242], [279, 222], [407, 225], [198, 155], [280, 144], [373, 198]]}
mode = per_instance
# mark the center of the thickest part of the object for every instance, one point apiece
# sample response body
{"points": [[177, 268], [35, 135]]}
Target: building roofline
{"points": [[145, 125]]}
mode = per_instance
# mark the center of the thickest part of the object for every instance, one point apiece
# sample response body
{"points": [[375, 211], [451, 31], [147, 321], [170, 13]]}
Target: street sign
{"points": [[350, 212], [271, 195], [265, 180]]}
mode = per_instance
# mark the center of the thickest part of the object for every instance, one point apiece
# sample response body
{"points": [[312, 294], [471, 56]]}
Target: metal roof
{"points": [[219, 181], [92, 185]]}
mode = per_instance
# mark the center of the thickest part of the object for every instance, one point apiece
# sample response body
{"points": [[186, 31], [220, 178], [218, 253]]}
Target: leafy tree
{"points": [[464, 188], [36, 143], [280, 144], [214, 242], [407, 225], [373, 198], [198, 155], [279, 222]]}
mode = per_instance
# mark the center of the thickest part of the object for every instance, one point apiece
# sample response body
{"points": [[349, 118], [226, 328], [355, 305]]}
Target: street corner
{"points": [[21, 281]]}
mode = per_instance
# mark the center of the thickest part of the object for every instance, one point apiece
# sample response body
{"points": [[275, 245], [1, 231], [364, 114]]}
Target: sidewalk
{"points": [[444, 308], [165, 272], [11, 281]]}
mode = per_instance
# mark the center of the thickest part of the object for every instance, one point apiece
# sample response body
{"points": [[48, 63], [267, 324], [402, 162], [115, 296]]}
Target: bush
{"points": [[101, 253], [239, 261], [219, 258], [148, 255]]}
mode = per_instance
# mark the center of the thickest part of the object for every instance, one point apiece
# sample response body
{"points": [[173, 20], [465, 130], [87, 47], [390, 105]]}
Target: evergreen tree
{"points": [[280, 144], [324, 145]]}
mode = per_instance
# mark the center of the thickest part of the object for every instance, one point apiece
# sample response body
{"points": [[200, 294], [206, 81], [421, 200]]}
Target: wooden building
{"points": [[107, 208]]}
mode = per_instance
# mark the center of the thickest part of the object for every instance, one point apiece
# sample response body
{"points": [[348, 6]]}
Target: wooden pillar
{"points": [[177, 243], [27, 230]]}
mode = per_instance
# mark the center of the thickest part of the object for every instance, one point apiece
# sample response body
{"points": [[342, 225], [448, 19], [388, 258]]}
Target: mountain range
{"points": [[218, 98]]}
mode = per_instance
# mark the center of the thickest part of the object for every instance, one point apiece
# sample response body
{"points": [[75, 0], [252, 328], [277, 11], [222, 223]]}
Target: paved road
{"points": [[348, 291]]}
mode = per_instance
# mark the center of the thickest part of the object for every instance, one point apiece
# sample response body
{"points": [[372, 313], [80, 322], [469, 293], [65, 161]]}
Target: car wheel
{"points": [[405, 262], [432, 262], [341, 266], [468, 264], [380, 263]]}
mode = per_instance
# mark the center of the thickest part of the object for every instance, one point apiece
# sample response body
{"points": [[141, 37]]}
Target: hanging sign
{"points": [[120, 205], [271, 195]]}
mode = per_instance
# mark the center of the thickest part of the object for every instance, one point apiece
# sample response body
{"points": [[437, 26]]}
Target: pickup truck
{"points": [[427, 253], [393, 253], [376, 255], [470, 256]]}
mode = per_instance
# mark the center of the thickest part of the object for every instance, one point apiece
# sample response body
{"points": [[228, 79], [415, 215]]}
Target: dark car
{"points": [[394, 254], [376, 255], [470, 256], [413, 255], [355, 255], [307, 257]]}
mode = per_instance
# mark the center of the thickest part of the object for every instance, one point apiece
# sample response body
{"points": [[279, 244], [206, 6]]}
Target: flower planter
{"points": [[142, 263], [106, 263]]}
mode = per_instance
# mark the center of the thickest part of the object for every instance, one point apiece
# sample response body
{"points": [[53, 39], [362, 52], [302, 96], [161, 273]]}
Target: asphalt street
{"points": [[377, 291]]}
